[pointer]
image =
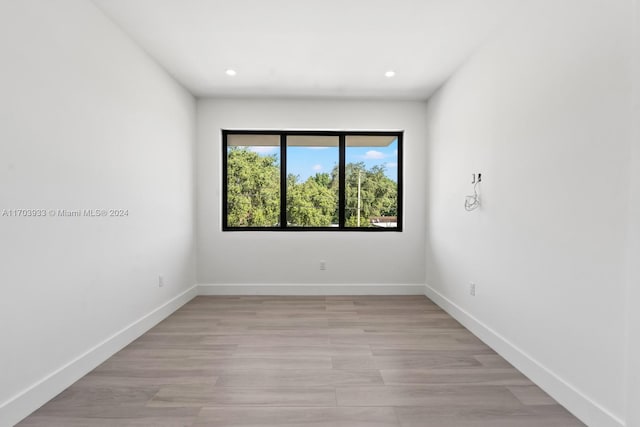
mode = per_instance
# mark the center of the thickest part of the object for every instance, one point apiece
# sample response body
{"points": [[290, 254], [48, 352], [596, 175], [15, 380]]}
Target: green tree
{"points": [[378, 194], [253, 189], [312, 203]]}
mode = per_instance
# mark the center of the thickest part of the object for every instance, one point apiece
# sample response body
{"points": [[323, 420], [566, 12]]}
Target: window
{"points": [[312, 181]]}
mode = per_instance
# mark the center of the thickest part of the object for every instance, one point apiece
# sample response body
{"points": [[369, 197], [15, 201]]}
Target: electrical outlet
{"points": [[160, 281], [323, 265], [472, 289]]}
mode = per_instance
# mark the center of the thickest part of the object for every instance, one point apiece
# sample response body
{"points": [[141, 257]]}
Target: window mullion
{"points": [[225, 193], [341, 181], [283, 180], [399, 214]]}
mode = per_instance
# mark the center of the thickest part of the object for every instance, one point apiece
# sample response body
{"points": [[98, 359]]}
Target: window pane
{"points": [[371, 175], [312, 181], [253, 180]]}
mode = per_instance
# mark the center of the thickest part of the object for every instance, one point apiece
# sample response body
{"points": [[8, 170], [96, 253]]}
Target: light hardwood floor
{"points": [[305, 361]]}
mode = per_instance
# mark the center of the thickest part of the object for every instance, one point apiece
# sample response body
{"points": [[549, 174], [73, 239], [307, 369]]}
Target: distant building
{"points": [[384, 221]]}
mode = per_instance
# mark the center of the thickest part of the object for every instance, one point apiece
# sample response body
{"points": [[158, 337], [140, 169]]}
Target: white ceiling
{"points": [[309, 48]]}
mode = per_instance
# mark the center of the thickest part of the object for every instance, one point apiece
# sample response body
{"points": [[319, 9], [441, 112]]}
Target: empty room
{"points": [[320, 213]]}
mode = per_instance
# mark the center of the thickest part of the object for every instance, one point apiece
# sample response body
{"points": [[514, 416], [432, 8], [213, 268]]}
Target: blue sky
{"points": [[307, 161]]}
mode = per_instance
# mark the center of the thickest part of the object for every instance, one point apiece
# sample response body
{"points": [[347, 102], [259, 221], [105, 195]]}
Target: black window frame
{"points": [[342, 137]]}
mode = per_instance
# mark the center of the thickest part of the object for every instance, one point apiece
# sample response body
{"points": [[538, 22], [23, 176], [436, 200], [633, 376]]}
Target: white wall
{"points": [[293, 258], [542, 111], [87, 121], [633, 296]]}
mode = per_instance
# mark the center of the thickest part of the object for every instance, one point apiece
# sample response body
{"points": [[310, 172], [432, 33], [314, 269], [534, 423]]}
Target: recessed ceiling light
{"points": [[390, 73], [231, 72]]}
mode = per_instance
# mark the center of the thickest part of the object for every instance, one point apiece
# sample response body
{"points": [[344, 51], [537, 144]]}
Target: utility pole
{"points": [[358, 198]]}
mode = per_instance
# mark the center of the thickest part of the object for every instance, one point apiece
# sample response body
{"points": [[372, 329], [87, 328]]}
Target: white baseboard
{"points": [[24, 403], [310, 289], [584, 408]]}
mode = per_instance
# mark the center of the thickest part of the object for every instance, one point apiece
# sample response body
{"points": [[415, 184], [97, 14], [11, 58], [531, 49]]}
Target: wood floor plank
{"points": [[158, 364], [433, 360], [299, 378], [131, 353], [77, 421], [353, 362], [329, 350], [414, 340], [155, 374], [477, 376], [150, 380], [431, 396], [460, 417], [272, 362], [271, 339], [396, 326], [297, 417], [443, 342], [180, 396]]}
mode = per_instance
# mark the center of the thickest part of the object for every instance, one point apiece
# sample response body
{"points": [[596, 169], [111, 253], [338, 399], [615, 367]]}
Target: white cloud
{"points": [[375, 155], [395, 152], [391, 165], [317, 168], [260, 149]]}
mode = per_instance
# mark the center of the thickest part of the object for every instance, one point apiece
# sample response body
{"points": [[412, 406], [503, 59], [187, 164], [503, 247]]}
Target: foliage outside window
{"points": [[324, 180]]}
